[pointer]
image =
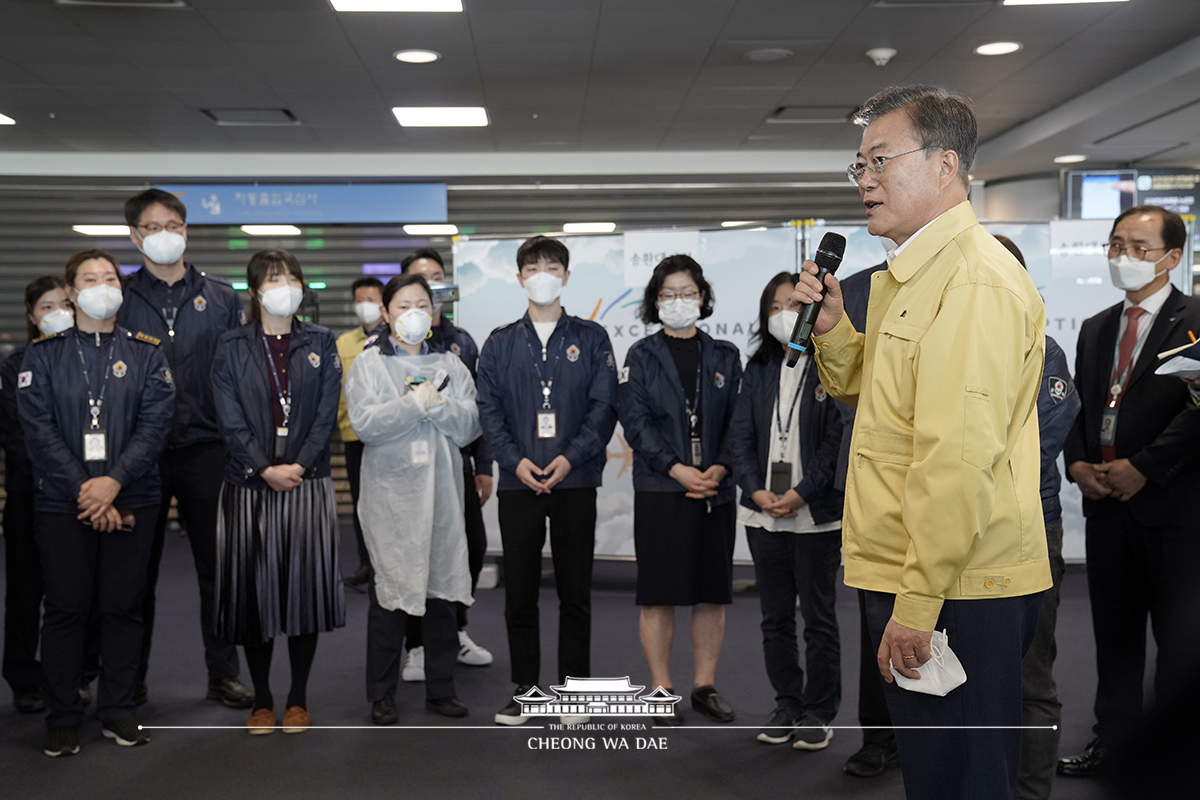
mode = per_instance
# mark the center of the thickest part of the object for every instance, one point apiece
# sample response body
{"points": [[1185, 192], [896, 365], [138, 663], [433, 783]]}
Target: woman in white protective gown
{"points": [[413, 410]]}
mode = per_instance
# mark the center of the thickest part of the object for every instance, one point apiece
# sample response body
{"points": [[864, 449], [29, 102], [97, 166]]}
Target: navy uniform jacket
{"points": [[819, 424], [652, 408], [52, 399], [208, 307], [448, 337], [580, 362], [244, 391], [18, 471], [1057, 406]]}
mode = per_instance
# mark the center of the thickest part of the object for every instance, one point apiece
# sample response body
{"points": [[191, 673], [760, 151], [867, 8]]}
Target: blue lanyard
{"points": [[284, 400], [547, 385], [94, 405], [785, 432]]}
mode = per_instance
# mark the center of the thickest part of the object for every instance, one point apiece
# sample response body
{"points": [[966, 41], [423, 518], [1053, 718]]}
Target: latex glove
{"points": [[428, 395]]}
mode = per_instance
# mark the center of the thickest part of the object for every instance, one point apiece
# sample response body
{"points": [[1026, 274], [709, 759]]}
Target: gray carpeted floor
{"points": [[697, 760]]}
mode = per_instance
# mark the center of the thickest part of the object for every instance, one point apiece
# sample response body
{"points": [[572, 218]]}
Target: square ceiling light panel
{"points": [[397, 5], [441, 117]]}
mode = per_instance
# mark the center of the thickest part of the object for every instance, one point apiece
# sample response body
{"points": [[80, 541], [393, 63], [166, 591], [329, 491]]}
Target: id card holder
{"points": [[697, 452], [95, 445], [547, 424], [781, 478], [1108, 427], [281, 440], [420, 452]]}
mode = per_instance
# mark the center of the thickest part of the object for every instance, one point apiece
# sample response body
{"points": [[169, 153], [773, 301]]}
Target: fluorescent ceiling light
{"points": [[416, 56], [1070, 159], [5, 120], [102, 230], [443, 117], [1055, 2], [998, 48], [431, 230], [734, 224], [272, 230], [589, 227], [397, 5]]}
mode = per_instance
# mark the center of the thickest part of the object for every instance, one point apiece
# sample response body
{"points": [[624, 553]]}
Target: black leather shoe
{"points": [[28, 701], [446, 706], [231, 692], [1088, 764], [706, 700], [384, 711], [141, 694], [873, 759]]}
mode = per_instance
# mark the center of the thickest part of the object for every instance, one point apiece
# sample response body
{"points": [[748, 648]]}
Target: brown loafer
{"points": [[296, 720], [262, 721]]}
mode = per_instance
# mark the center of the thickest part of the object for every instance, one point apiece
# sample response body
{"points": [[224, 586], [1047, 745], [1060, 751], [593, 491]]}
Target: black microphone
{"points": [[828, 258]]}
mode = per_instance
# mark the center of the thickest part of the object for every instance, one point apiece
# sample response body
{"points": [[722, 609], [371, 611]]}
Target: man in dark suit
{"points": [[1133, 452]]}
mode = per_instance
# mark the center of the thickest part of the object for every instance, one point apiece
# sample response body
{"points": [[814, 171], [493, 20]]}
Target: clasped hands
{"points": [[283, 477], [95, 500], [1117, 479], [699, 485], [776, 506], [428, 394], [542, 480]]}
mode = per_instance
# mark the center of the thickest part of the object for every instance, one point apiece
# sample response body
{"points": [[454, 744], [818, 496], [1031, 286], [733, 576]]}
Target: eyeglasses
{"points": [[1135, 251], [686, 294], [874, 166], [151, 228]]}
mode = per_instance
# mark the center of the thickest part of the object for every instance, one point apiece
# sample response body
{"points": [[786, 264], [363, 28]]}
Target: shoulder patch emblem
{"points": [[573, 353], [119, 369], [24, 379], [1058, 388], [337, 363], [242, 317], [315, 360], [370, 340], [623, 376], [168, 377], [821, 394], [145, 337], [719, 380], [612, 362], [454, 348], [200, 303]]}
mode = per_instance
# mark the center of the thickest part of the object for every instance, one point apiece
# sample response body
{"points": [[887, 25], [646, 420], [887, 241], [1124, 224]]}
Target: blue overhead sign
{"points": [[236, 204]]}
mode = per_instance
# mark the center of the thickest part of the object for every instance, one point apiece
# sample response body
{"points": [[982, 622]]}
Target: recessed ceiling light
{"points": [[998, 48], [271, 230], [589, 227], [416, 56], [1070, 159], [431, 230], [397, 5], [443, 117], [7, 120], [102, 230], [1055, 2], [734, 224], [765, 55]]}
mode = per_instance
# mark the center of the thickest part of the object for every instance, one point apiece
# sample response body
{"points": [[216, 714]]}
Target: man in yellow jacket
{"points": [[942, 525]]}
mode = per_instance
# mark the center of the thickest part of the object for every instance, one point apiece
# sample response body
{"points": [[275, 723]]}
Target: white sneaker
{"points": [[568, 719], [470, 653], [414, 666]]}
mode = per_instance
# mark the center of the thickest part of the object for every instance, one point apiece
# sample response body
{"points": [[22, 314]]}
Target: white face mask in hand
{"points": [[282, 301], [543, 288], [940, 675], [368, 313], [99, 302], [1132, 275], [412, 326], [780, 325], [163, 247], [679, 314], [56, 321]]}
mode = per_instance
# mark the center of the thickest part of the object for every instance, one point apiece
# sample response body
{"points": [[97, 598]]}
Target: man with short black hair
{"points": [[548, 406], [189, 311], [1133, 453]]}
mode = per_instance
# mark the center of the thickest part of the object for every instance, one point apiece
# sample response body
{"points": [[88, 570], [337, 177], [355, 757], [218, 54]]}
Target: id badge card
{"points": [[281, 440], [95, 445], [547, 424], [420, 452], [1108, 427], [781, 478], [697, 452]]}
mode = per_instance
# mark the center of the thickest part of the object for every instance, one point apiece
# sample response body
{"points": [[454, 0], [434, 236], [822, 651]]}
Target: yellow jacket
{"points": [[349, 345], [942, 498]]}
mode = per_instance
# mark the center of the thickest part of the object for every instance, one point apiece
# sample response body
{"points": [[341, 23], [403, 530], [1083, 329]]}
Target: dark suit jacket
{"points": [[1158, 428]]}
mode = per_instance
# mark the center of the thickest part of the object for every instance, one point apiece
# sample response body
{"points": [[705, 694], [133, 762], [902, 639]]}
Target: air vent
{"points": [[251, 117], [811, 115], [152, 5]]}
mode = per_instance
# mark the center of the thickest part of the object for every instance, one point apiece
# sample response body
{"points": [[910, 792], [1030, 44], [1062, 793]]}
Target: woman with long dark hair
{"points": [[784, 442], [277, 381], [676, 398]]}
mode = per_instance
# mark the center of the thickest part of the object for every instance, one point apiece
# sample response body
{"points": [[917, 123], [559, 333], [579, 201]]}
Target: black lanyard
{"points": [[284, 400], [94, 404], [547, 385], [693, 408], [785, 432]]}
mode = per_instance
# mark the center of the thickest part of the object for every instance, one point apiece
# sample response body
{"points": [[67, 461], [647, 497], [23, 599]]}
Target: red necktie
{"points": [[1128, 341]]}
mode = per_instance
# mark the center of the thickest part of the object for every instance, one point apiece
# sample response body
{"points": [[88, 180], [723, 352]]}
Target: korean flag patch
{"points": [[199, 304], [1058, 388], [623, 377], [24, 380], [315, 360]]}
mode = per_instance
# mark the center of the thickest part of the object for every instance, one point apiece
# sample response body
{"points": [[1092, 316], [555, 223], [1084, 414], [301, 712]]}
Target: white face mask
{"points": [[99, 302], [56, 321], [163, 247], [368, 313], [780, 325], [1132, 275], [412, 326], [679, 314], [282, 301], [543, 288]]}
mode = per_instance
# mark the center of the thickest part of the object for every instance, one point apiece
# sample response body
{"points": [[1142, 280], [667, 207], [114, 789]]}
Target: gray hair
{"points": [[941, 120]]}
